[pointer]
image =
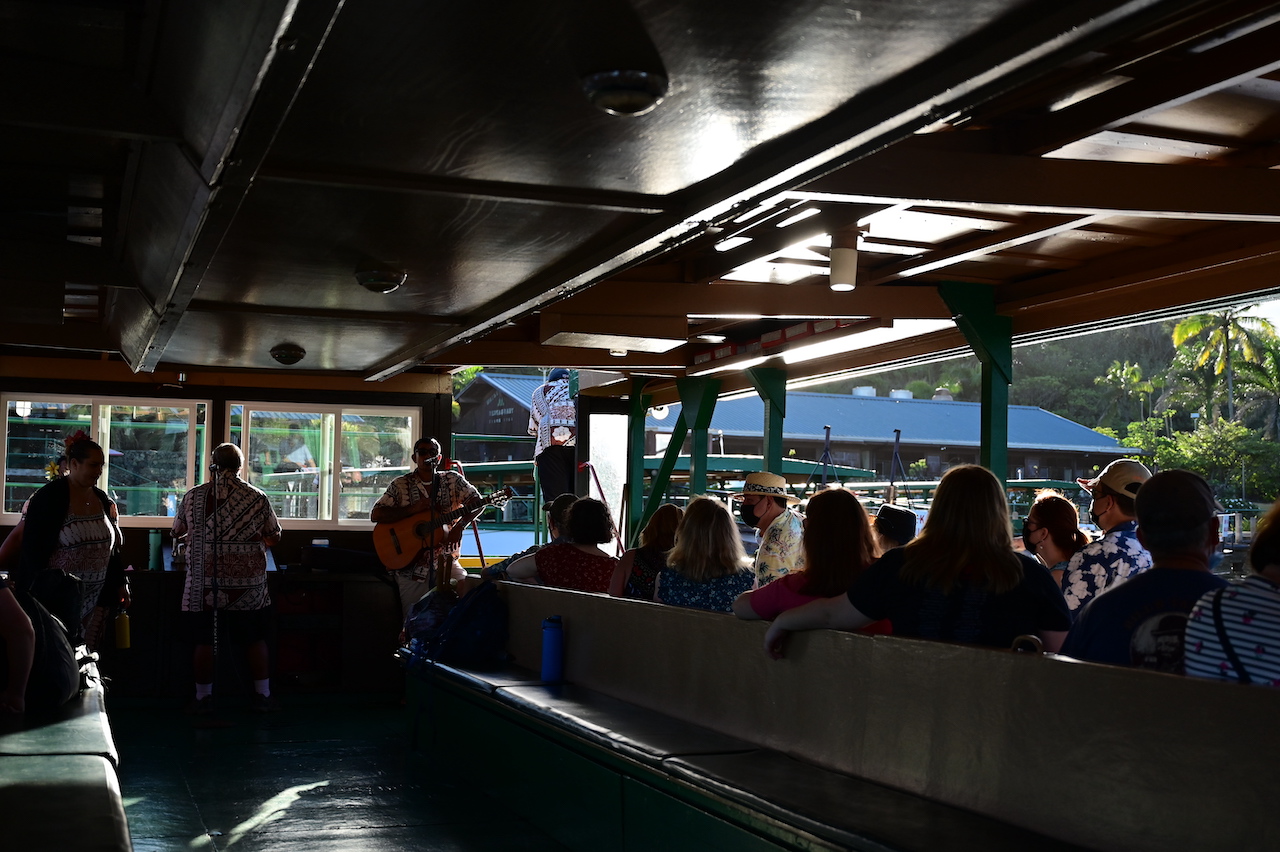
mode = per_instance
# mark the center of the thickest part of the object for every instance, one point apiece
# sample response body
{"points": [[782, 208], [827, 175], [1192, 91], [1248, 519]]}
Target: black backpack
{"points": [[55, 672], [474, 633]]}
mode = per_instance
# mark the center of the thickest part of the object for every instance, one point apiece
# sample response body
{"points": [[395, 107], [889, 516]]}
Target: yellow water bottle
{"points": [[122, 630]]}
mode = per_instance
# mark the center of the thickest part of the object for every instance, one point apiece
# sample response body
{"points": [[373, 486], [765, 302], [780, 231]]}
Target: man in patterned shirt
{"points": [[420, 490], [553, 418], [763, 504], [1118, 555]]}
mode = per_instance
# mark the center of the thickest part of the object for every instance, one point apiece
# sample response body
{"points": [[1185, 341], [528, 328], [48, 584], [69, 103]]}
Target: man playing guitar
{"points": [[424, 489]]}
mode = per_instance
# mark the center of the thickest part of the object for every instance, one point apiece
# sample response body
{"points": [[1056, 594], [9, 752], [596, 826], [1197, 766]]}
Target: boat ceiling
{"points": [[190, 185]]}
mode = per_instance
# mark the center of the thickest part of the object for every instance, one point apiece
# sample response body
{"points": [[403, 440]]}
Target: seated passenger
{"points": [[557, 512], [960, 580], [17, 648], [1234, 634], [1141, 622], [639, 566], [1052, 532], [578, 563], [894, 526], [837, 546], [707, 568]]}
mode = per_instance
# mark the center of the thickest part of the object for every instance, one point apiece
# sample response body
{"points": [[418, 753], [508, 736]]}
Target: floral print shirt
{"points": [[716, 595], [1098, 566], [780, 552]]}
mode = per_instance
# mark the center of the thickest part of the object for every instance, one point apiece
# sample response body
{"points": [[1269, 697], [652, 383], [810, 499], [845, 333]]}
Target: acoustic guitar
{"points": [[399, 543]]}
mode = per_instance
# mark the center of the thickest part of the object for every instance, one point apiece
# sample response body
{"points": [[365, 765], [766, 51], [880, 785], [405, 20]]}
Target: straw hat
{"points": [[766, 485]]}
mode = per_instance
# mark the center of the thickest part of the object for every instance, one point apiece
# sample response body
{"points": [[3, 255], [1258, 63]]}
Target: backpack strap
{"points": [[1227, 647]]}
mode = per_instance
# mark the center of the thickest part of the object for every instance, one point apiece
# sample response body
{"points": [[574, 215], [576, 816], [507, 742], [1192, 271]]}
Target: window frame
{"points": [[330, 467], [97, 404]]}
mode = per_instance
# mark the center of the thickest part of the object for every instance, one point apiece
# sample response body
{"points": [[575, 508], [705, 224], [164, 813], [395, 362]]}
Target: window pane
{"points": [[284, 459], [374, 449], [147, 451], [34, 437]]}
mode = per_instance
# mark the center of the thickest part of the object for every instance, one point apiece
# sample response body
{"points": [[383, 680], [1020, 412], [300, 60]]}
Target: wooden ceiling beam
{"points": [[735, 298], [511, 353], [371, 180], [1171, 84], [1068, 187]]}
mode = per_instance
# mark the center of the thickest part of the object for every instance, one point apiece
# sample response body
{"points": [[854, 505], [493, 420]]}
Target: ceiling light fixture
{"points": [[844, 260], [379, 277], [288, 353], [618, 353], [625, 92]]}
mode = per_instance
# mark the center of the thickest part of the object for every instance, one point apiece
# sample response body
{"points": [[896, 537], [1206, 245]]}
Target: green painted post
{"points": [[640, 402], [697, 404], [771, 384], [991, 336]]}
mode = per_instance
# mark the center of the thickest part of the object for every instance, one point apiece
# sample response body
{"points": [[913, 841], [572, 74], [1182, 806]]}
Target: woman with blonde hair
{"points": [[638, 568], [838, 546], [707, 568], [1052, 532], [960, 580]]}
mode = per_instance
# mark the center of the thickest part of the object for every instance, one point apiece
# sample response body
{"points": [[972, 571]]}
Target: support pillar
{"points": [[632, 521], [771, 384], [697, 404], [991, 336]]}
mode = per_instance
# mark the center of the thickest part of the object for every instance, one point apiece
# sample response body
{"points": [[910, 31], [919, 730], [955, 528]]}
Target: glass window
{"points": [[323, 464], [152, 447]]}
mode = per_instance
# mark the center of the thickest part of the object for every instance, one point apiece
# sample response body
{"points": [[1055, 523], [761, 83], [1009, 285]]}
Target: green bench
{"points": [[58, 784]]}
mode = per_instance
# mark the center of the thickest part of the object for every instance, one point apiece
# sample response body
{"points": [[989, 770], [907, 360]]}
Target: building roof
{"points": [[873, 419], [519, 388]]}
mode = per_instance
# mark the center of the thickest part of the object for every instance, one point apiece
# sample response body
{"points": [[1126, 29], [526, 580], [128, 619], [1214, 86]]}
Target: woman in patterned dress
{"points": [[70, 525], [707, 568], [639, 566], [578, 563]]}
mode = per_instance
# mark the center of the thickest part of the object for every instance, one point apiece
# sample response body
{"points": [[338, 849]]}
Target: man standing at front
{"points": [[227, 524], [424, 489], [763, 504], [1140, 623], [1118, 555]]}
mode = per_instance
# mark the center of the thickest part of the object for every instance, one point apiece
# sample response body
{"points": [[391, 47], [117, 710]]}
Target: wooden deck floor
{"points": [[326, 773]]}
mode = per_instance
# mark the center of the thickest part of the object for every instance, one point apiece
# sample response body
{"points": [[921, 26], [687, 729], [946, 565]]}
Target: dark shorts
{"points": [[236, 628]]}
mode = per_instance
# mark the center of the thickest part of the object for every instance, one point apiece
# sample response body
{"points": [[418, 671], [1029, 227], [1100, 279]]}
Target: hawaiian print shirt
{"points": [[780, 551], [553, 417], [1111, 560], [453, 493]]}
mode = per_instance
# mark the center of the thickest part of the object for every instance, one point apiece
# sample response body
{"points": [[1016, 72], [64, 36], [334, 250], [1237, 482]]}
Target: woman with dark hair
{"points": [[960, 580], [1052, 532], [639, 566], [71, 526], [577, 563], [838, 546], [707, 567]]}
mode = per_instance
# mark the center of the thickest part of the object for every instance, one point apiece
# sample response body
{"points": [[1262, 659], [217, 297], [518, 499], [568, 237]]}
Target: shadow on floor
{"points": [[326, 773]]}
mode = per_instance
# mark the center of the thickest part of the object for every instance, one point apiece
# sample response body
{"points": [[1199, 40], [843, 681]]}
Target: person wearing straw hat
{"points": [[764, 504]]}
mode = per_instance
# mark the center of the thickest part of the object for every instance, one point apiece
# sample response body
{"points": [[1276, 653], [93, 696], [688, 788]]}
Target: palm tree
{"points": [[1126, 381], [1192, 386], [1261, 382], [1220, 336]]}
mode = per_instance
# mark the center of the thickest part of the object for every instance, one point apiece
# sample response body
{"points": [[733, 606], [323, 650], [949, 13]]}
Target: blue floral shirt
{"points": [[716, 595], [1107, 562]]}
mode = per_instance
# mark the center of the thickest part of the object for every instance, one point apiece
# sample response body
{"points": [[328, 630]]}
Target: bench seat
{"points": [[62, 802], [78, 727]]}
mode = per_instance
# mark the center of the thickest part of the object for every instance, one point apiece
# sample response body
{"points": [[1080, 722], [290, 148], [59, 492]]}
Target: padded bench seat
{"points": [[854, 813], [62, 802], [78, 727], [641, 734]]}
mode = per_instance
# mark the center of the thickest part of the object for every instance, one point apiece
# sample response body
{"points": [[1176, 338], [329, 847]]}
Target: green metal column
{"points": [[991, 336], [771, 384], [632, 523], [697, 404], [693, 409]]}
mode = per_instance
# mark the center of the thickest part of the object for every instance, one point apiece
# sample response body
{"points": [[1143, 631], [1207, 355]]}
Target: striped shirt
{"points": [[1251, 619]]}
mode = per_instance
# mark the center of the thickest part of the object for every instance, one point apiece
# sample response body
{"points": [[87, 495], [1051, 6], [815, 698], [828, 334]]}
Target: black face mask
{"points": [[1095, 518], [748, 514], [1028, 545]]}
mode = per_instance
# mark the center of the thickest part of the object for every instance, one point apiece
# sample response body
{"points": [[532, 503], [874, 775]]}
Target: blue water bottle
{"points": [[552, 650]]}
